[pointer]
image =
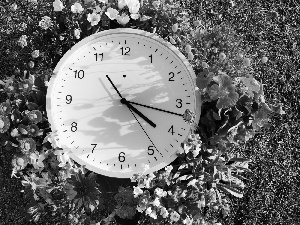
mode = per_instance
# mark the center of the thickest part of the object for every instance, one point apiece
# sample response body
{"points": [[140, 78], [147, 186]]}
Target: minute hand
{"points": [[155, 108]]}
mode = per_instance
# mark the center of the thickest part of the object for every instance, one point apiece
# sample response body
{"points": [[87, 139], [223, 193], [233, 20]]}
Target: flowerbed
{"points": [[194, 186]]}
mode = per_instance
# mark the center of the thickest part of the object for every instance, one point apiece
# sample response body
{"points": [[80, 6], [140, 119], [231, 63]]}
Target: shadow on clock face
{"points": [[105, 131]]}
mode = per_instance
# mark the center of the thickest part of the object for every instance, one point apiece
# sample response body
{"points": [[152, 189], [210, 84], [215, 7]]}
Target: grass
{"points": [[271, 194]]}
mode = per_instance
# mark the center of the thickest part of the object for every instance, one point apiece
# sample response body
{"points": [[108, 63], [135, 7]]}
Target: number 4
{"points": [[171, 130]]}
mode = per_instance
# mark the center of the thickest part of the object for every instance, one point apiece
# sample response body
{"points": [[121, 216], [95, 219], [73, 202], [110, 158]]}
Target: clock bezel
{"points": [[86, 41]]}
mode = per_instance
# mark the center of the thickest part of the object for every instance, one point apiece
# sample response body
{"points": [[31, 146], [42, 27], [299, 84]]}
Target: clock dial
{"points": [[105, 135]]}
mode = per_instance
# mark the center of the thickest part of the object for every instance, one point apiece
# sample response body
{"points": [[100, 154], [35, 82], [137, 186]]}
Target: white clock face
{"points": [[104, 134]]}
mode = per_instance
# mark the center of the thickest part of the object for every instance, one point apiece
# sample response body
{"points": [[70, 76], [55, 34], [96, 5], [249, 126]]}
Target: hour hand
{"points": [[124, 101]]}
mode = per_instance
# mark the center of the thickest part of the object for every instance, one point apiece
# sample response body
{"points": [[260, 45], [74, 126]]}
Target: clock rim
{"points": [[80, 45]]}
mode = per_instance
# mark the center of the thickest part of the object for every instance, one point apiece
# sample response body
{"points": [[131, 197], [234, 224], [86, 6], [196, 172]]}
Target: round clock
{"points": [[116, 99]]}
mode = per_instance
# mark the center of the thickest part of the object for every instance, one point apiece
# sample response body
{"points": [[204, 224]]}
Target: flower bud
{"points": [[264, 59], [175, 27], [205, 65], [222, 56], [188, 48], [31, 64], [190, 56], [246, 61], [172, 41], [197, 23]]}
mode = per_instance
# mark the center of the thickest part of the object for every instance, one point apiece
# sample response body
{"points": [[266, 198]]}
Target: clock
{"points": [[116, 100]]}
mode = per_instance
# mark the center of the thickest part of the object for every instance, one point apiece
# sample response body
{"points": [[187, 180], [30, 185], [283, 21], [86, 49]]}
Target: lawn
{"points": [[272, 191]]}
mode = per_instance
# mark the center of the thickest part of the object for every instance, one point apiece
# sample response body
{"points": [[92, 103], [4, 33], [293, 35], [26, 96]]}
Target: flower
{"points": [[14, 7], [197, 23], [222, 56], [34, 116], [156, 4], [190, 56], [77, 33], [76, 8], [123, 19], [175, 27], [188, 221], [19, 163], [35, 53], [164, 212], [112, 13], [22, 41], [4, 124], [14, 132], [33, 130], [63, 156], [52, 137], [137, 191], [58, 6], [37, 159], [5, 108], [153, 215], [174, 216], [45, 23], [27, 145], [93, 18], [156, 202], [205, 65], [133, 6], [148, 210], [264, 59], [246, 61], [188, 48], [122, 4], [82, 190], [169, 168]]}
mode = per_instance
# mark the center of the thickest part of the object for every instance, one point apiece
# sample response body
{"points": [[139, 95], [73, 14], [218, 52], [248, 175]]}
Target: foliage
{"points": [[196, 187]]}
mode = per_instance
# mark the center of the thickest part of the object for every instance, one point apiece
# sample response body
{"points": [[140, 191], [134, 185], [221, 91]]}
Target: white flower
{"points": [[148, 210], [93, 18], [63, 156], [122, 3], [58, 6], [77, 33], [164, 212], [112, 13], [264, 59], [153, 215], [37, 159], [222, 56], [45, 23], [169, 168], [159, 192], [123, 20], [190, 56], [52, 137], [76, 8], [14, 132], [104, 1], [134, 16], [156, 4], [137, 191], [144, 18], [188, 221], [156, 202], [35, 53], [22, 41], [175, 27], [133, 6], [174, 216], [192, 182], [14, 7]]}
